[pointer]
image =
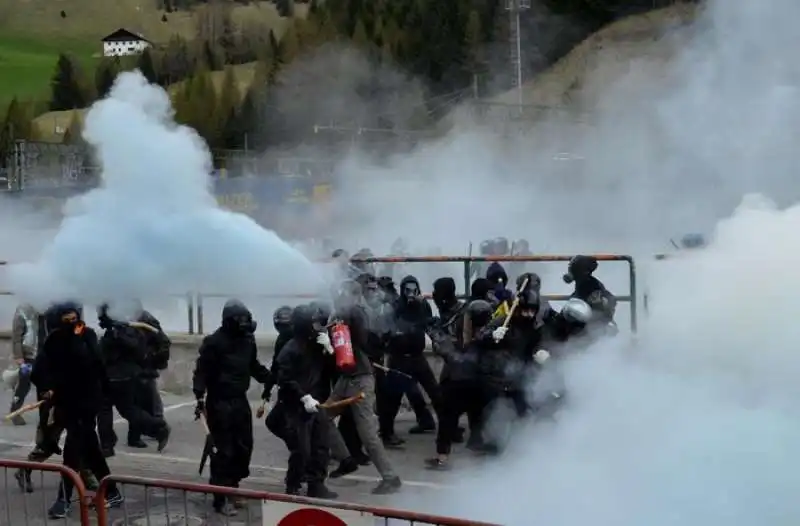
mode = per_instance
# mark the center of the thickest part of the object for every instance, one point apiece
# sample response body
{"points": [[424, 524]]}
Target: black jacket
{"points": [[225, 365], [280, 342], [157, 346], [124, 350], [72, 368], [408, 327], [460, 364], [303, 369]]}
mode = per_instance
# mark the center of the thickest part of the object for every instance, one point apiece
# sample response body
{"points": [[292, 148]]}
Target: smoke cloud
{"points": [[153, 226], [695, 421]]}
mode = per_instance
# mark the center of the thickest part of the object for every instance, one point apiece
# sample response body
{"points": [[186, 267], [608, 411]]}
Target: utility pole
{"points": [[514, 8]]}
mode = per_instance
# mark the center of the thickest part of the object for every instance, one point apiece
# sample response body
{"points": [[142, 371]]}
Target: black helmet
{"points": [[534, 281], [237, 318], [303, 321], [580, 267], [282, 319], [322, 312], [480, 313]]}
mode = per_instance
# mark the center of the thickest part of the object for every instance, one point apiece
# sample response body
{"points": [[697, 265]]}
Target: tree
{"points": [[66, 91], [176, 63], [146, 66], [285, 8], [105, 75], [289, 46]]}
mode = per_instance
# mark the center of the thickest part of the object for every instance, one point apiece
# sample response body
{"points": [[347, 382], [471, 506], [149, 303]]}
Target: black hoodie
{"points": [[409, 323]]}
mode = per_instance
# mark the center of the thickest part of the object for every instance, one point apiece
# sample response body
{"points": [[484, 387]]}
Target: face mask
{"points": [[411, 292]]}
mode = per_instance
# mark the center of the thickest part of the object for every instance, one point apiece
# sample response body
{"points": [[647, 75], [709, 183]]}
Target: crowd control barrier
{"points": [[22, 509], [469, 264], [196, 301], [157, 501]]}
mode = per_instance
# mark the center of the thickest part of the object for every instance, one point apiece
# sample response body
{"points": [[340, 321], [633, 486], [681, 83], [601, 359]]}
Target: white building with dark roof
{"points": [[123, 42]]}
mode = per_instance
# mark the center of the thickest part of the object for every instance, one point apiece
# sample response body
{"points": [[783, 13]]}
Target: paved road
{"points": [[180, 461]]}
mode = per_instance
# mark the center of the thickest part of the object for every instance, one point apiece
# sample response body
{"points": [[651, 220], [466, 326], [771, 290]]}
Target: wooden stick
{"points": [[331, 404], [515, 304], [261, 409], [25, 409], [143, 325]]}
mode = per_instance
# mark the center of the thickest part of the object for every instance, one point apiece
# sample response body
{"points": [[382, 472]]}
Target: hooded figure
{"points": [[70, 375], [412, 316], [304, 380], [590, 289], [228, 359]]}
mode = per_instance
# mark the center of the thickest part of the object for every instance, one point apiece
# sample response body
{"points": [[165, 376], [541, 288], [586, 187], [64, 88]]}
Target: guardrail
{"points": [[23, 508], [196, 306], [176, 502]]}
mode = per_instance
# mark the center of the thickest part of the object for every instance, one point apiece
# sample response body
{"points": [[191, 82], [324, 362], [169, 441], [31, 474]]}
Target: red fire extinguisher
{"points": [[342, 346]]}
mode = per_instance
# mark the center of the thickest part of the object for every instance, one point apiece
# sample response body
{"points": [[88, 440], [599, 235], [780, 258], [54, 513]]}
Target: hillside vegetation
{"points": [[91, 20], [636, 44]]}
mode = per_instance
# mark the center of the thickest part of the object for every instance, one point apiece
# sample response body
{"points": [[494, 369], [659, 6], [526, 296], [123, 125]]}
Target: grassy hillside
{"points": [[32, 34], [632, 45], [50, 127], [90, 20], [27, 64]]}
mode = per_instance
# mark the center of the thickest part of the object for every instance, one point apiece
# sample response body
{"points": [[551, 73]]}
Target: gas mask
{"points": [[411, 292]]}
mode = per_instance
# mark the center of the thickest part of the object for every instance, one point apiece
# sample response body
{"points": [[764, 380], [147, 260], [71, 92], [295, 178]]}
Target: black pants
{"points": [[82, 450], [309, 450], [397, 385], [459, 397], [231, 424], [21, 391], [123, 396], [148, 398]]}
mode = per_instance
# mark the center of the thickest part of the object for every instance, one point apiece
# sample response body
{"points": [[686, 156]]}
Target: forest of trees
{"points": [[443, 45]]}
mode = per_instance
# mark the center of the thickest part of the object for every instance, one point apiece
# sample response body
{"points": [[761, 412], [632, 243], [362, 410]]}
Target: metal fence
{"points": [[20, 508], [184, 503], [197, 303]]}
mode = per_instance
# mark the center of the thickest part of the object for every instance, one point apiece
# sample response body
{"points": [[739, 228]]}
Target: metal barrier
{"points": [[176, 502], [196, 308], [468, 263], [22, 508]]}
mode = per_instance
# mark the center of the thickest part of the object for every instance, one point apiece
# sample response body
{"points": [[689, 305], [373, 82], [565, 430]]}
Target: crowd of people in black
{"points": [[340, 369]]}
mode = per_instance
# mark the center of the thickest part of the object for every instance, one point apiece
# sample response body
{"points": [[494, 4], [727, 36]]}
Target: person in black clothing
{"points": [[70, 374], [411, 317], [591, 290], [304, 379], [282, 321], [156, 359], [227, 360], [124, 349], [461, 393]]}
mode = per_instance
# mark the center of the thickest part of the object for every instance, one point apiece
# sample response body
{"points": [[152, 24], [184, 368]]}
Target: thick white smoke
{"points": [[153, 227], [696, 421]]}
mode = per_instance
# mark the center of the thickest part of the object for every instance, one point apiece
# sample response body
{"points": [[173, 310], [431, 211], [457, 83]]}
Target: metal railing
{"points": [[22, 508], [176, 502], [196, 307]]}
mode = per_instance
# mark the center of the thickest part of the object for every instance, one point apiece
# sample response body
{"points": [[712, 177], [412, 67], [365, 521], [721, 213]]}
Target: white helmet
{"points": [[11, 377], [577, 310]]}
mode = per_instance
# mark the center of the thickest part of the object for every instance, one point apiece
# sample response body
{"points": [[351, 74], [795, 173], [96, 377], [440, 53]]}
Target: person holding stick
{"points": [[227, 360], [304, 374], [70, 374]]}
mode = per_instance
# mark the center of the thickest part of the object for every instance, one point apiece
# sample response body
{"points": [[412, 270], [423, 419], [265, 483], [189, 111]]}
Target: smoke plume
{"points": [[152, 227], [695, 421]]}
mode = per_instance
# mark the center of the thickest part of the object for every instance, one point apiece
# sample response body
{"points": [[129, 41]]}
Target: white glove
{"points": [[541, 356], [310, 405], [499, 333], [325, 340]]}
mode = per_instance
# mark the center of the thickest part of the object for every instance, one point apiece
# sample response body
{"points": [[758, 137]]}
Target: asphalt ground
{"points": [[180, 461]]}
